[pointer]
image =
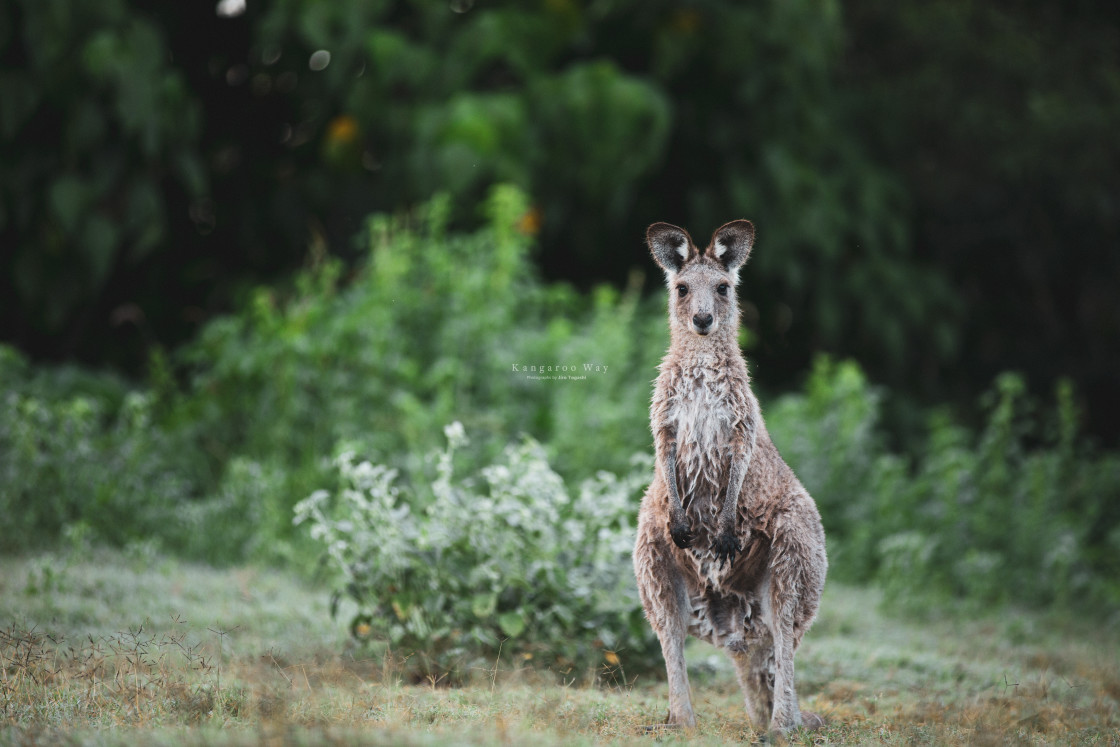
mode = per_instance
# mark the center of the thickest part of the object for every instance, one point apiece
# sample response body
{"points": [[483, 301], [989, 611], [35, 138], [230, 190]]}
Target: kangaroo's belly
{"points": [[731, 618]]}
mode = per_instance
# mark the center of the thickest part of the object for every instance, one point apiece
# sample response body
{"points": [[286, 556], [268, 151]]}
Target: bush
{"points": [[1022, 511], [77, 448], [430, 330], [84, 452], [506, 561]]}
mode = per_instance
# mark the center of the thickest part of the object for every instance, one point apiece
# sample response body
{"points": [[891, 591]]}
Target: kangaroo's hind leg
{"points": [[795, 579], [666, 602], [754, 666]]}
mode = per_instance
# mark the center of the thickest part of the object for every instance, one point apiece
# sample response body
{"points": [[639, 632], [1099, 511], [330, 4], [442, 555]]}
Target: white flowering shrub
{"points": [[451, 572]]}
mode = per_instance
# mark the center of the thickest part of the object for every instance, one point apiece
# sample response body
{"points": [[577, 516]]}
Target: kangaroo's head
{"points": [[702, 283]]}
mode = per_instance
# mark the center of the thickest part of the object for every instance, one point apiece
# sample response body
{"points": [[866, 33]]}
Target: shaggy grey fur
{"points": [[730, 546]]}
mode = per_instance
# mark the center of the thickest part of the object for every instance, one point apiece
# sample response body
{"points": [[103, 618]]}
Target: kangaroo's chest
{"points": [[703, 415]]}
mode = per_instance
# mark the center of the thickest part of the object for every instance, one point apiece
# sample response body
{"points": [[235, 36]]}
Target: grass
{"points": [[121, 648]]}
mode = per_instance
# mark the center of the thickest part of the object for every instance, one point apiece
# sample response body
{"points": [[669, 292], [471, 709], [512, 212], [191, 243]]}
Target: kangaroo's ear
{"points": [[671, 246], [731, 244]]}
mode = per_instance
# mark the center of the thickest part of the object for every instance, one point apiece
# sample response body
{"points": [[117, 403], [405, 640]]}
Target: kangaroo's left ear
{"points": [[731, 244]]}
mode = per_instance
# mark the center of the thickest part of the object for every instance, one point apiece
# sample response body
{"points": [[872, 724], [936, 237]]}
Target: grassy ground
{"points": [[135, 648]]}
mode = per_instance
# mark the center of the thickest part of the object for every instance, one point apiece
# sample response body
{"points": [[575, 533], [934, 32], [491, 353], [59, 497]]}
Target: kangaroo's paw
{"points": [[726, 547], [681, 535]]}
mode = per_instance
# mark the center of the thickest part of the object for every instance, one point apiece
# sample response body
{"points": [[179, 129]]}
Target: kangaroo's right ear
{"points": [[671, 246]]}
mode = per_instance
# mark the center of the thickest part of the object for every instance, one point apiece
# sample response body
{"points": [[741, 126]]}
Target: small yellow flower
{"points": [[342, 130], [530, 223], [612, 658], [362, 630]]}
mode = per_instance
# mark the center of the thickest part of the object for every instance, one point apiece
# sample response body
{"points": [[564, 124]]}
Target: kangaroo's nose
{"points": [[702, 321]]}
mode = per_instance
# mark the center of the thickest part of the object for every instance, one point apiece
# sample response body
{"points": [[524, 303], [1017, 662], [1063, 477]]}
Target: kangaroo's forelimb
{"points": [[727, 542], [678, 522]]}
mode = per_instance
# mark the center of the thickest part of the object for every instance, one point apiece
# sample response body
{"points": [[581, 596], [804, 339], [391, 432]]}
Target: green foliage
{"points": [[1021, 511], [442, 325], [83, 455], [87, 201], [64, 454], [454, 571], [934, 183], [436, 327], [729, 107]]}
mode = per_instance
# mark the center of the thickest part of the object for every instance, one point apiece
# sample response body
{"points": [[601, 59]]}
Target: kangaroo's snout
{"points": [[702, 323]]}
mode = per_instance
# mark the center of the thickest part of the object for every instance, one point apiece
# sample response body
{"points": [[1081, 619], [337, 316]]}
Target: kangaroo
{"points": [[730, 546]]}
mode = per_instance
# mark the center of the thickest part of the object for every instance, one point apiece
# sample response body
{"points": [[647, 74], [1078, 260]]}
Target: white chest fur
{"points": [[702, 415], [701, 411]]}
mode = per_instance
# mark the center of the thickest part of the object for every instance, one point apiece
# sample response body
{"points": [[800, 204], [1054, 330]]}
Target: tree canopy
{"points": [[935, 186]]}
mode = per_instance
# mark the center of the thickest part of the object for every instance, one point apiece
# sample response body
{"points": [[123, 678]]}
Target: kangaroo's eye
{"points": [[682, 290], [722, 289]]}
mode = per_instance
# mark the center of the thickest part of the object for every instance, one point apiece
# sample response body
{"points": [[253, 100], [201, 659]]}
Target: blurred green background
{"points": [[200, 315]]}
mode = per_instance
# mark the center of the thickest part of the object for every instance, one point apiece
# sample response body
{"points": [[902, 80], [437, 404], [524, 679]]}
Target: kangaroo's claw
{"points": [[726, 547]]}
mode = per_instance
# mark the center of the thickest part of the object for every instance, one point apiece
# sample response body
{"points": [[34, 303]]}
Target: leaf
{"points": [[482, 605], [512, 623]]}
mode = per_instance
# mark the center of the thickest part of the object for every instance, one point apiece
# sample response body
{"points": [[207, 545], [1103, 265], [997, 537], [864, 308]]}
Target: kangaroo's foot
{"points": [[685, 720]]}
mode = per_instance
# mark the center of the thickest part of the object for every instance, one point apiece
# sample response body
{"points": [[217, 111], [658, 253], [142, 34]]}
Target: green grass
{"points": [[117, 648]]}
